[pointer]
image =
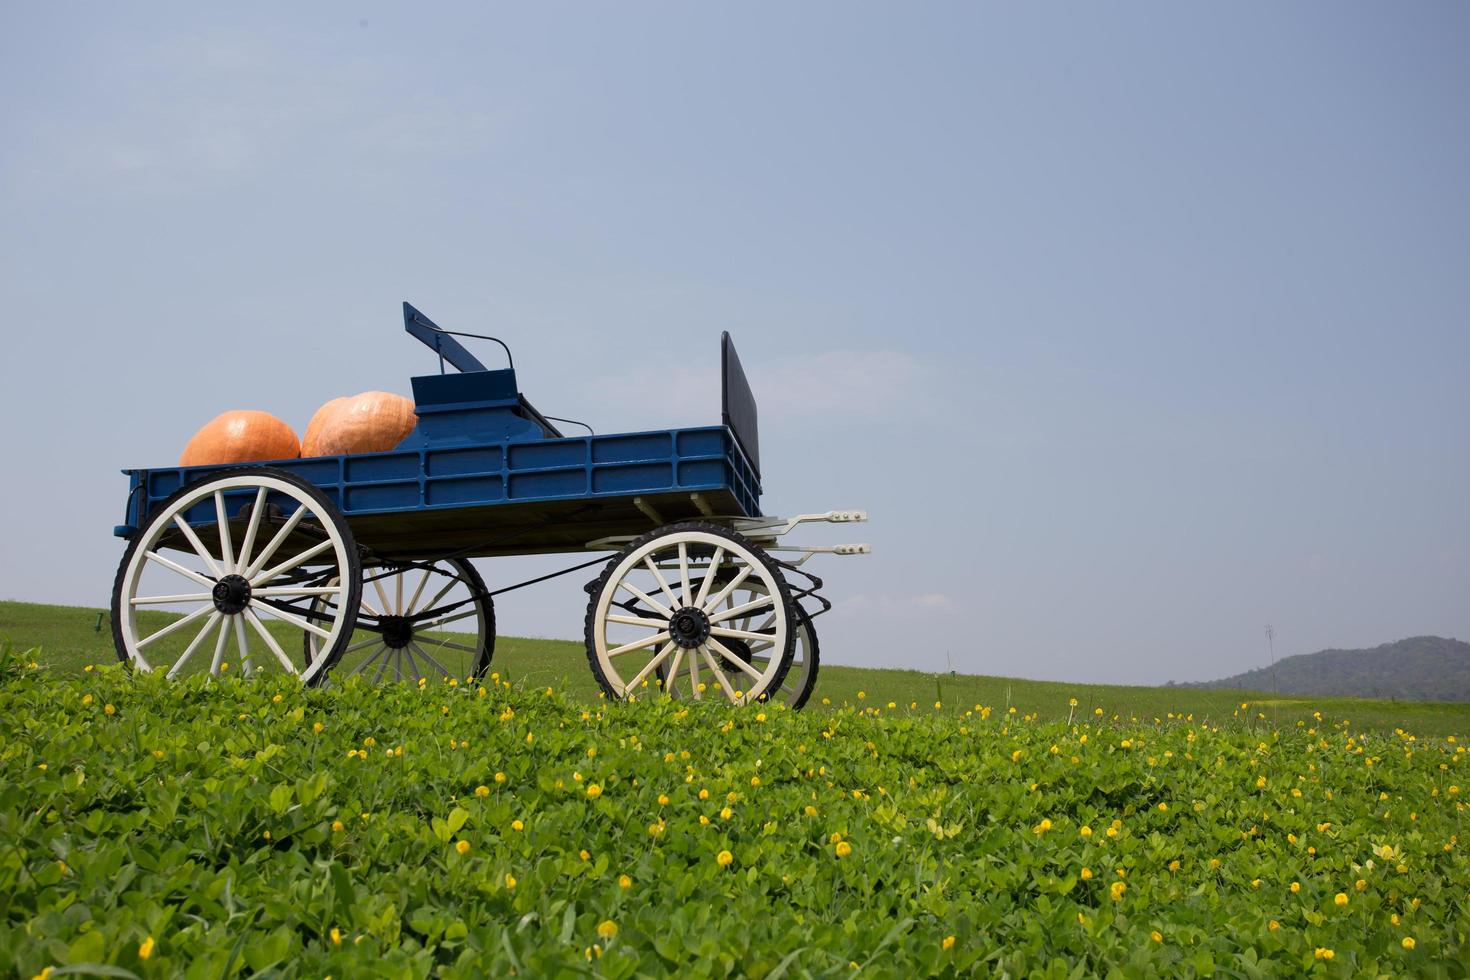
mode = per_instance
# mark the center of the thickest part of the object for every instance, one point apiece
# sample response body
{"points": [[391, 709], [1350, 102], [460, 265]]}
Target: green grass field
{"points": [[67, 639]]}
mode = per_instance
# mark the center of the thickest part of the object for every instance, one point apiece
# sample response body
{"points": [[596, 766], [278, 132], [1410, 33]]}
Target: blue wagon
{"points": [[361, 563]]}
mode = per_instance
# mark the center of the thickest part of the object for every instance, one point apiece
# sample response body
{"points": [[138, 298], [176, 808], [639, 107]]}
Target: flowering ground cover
{"points": [[253, 827]]}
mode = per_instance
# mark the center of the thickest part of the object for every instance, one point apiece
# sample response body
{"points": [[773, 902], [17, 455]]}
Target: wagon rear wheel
{"points": [[424, 619], [680, 632], [243, 559]]}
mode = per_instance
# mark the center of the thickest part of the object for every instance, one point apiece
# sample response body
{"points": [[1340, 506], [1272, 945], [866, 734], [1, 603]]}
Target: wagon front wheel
{"points": [[660, 614], [237, 566]]}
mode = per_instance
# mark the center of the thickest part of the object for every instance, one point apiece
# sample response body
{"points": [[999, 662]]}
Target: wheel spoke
{"points": [[730, 634], [649, 667], [174, 566], [751, 606], [390, 655], [365, 643], [367, 661], [694, 690], [662, 583], [189, 651], [734, 584], [647, 599], [198, 546], [270, 641], [222, 520], [244, 647], [724, 681], [179, 624], [455, 646], [627, 621], [673, 671], [412, 664], [297, 590], [298, 622], [684, 571], [414, 602], [278, 539], [709, 577], [155, 600], [443, 671], [252, 529], [219, 646], [724, 651], [291, 562], [443, 620], [647, 641]]}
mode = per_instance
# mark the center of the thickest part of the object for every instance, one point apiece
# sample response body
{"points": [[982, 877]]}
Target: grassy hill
{"points": [[68, 637], [1421, 668]]}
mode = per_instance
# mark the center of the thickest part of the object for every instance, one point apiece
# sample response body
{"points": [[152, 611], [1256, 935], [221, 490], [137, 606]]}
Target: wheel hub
{"points": [[397, 631], [231, 594], [689, 627]]}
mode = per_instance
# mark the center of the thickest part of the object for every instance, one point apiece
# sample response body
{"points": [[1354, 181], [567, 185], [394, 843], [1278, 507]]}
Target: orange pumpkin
{"points": [[370, 422], [241, 436]]}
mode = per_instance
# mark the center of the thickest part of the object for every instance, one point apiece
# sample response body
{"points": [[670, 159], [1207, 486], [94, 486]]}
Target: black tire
{"points": [[813, 661], [320, 499], [597, 588]]}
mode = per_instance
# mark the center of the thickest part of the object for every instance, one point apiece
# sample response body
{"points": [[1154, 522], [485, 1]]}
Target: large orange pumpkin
{"points": [[370, 422], [241, 436]]}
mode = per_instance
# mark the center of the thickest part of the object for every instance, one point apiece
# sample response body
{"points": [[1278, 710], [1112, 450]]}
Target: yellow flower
{"points": [[704, 794], [1156, 936], [663, 800], [1163, 807], [1296, 886], [811, 811], [755, 780], [510, 881], [1408, 942], [338, 827], [463, 847], [1085, 831], [607, 929], [145, 948], [1042, 827], [336, 935], [1174, 865], [948, 942], [1340, 898], [1086, 874], [594, 791], [1323, 953], [726, 813], [843, 848], [624, 881], [1097, 711], [585, 854], [109, 709], [724, 858], [318, 727], [1360, 884], [482, 790], [517, 825], [1117, 888], [500, 777], [1273, 925]]}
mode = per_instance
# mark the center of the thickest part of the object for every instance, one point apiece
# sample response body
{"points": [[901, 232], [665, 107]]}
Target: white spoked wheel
{"points": [[797, 685], [256, 556], [425, 619], [679, 632]]}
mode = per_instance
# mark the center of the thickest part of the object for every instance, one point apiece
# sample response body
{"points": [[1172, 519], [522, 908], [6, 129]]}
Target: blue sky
{"points": [[1135, 329]]}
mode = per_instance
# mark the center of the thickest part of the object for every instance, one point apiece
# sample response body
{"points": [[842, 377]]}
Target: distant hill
{"points": [[1421, 668]]}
